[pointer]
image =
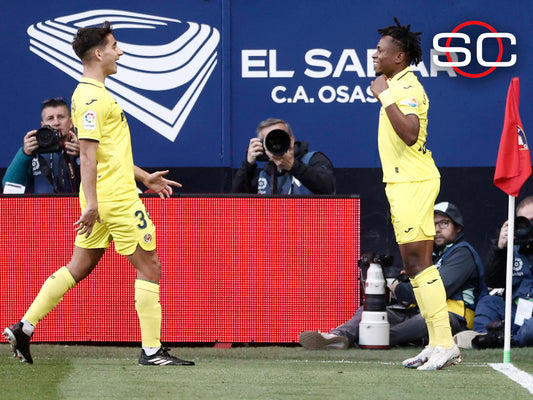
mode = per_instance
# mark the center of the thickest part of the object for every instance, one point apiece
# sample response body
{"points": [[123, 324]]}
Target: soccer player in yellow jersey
{"points": [[110, 205], [412, 184]]}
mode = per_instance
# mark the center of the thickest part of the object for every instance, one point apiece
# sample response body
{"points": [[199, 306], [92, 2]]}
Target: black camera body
{"points": [[523, 232], [277, 141], [48, 139], [386, 262]]}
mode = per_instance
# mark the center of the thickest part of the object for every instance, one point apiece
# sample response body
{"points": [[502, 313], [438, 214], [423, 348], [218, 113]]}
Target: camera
{"points": [[386, 262], [48, 140], [523, 232], [277, 141], [374, 325]]}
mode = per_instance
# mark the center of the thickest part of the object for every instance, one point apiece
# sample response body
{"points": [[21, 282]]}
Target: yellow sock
{"points": [[51, 293], [431, 298], [431, 333], [429, 326], [149, 312]]}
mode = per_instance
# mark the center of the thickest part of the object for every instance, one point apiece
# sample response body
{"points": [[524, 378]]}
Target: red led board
{"points": [[234, 269]]}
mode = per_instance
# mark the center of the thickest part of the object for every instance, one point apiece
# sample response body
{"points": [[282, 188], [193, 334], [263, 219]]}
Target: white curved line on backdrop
{"points": [[136, 55], [88, 14]]}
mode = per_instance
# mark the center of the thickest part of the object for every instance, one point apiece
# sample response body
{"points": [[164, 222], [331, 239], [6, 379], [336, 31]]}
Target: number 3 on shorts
{"points": [[142, 219]]}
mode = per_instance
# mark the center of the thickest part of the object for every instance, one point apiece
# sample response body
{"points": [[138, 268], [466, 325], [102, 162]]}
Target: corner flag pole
{"points": [[509, 281]]}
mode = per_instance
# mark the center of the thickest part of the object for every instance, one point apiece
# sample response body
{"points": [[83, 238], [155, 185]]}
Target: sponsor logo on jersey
{"points": [[412, 102], [89, 121]]}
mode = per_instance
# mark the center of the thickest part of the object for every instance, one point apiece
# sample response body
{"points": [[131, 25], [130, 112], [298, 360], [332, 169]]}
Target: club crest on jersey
{"points": [[148, 238], [89, 120]]}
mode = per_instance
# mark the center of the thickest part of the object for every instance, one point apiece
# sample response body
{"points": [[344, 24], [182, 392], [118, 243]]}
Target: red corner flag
{"points": [[513, 166]]}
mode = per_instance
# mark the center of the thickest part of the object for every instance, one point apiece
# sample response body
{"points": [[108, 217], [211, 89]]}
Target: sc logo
{"points": [[480, 46]]}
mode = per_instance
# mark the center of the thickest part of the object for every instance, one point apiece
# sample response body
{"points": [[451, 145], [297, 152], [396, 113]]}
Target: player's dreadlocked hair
{"points": [[408, 41]]}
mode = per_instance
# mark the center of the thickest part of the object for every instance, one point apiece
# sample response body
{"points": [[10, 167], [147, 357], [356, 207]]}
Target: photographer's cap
{"points": [[451, 211]]}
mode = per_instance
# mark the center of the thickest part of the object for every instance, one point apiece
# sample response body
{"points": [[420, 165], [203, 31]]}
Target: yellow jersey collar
{"points": [[401, 74], [92, 82]]}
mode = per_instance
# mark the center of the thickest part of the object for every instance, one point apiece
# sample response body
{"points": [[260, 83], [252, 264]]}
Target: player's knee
{"points": [[147, 264], [155, 270], [83, 262]]}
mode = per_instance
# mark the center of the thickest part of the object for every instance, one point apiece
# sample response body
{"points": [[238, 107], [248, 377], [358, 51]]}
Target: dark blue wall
{"points": [[306, 62]]}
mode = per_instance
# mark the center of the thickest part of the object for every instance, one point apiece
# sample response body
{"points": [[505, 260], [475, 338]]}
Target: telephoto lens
{"points": [[374, 325]]}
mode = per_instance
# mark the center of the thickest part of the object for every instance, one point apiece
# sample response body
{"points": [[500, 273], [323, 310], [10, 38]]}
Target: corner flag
{"points": [[513, 165]]}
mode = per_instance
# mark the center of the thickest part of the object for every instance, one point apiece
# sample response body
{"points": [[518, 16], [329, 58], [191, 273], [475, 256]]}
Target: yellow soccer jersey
{"points": [[98, 117], [400, 162]]}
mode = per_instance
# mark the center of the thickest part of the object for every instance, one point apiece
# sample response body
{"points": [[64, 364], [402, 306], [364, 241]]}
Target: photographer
{"points": [[53, 168], [490, 311], [462, 274], [289, 169]]}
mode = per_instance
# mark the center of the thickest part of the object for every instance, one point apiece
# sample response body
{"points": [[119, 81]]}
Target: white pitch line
{"points": [[522, 378]]}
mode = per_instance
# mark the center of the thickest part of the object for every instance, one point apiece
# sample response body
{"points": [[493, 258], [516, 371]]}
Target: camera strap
{"points": [[71, 172], [46, 169], [65, 162], [275, 181]]}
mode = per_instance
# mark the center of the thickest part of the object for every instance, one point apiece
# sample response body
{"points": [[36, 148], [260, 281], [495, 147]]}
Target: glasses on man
{"points": [[443, 223]]}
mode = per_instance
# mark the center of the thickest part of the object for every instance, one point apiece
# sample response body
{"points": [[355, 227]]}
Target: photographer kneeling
{"points": [[289, 169], [48, 161], [461, 270], [490, 311]]}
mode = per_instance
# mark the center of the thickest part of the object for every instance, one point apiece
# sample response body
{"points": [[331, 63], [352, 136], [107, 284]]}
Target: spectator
{"points": [[462, 274], [297, 171], [55, 172], [490, 312]]}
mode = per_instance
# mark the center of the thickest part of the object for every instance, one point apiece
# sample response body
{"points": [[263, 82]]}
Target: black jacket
{"points": [[318, 176]]}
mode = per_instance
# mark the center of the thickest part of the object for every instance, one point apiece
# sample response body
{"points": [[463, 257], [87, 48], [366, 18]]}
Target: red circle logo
{"points": [[500, 49]]}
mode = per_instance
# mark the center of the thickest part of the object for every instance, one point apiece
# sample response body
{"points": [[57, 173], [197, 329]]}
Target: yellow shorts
{"points": [[125, 222], [411, 206]]}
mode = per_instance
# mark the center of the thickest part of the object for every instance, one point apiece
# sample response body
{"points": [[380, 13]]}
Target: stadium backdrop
{"points": [[199, 75]]}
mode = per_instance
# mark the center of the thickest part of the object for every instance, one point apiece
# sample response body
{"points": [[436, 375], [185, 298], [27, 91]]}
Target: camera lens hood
{"points": [[278, 142]]}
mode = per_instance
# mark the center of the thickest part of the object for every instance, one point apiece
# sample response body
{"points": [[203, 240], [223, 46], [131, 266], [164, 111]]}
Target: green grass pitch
{"points": [[262, 372]]}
